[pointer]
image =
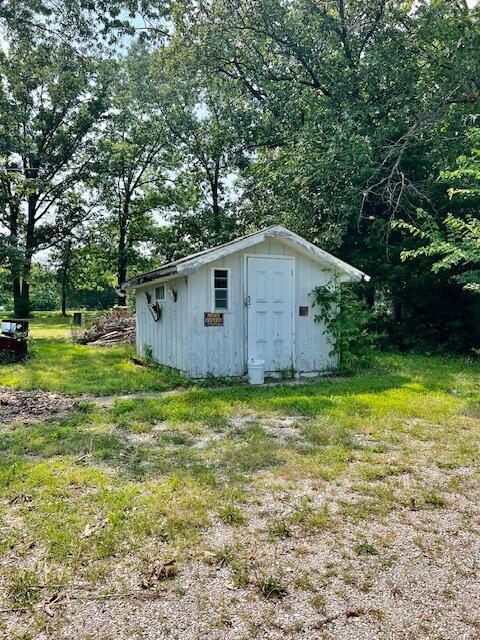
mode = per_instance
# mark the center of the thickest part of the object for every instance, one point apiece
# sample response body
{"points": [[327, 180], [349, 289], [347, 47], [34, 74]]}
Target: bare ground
{"points": [[32, 406]]}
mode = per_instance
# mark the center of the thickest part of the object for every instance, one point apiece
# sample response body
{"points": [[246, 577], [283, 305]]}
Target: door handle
{"points": [[247, 301]]}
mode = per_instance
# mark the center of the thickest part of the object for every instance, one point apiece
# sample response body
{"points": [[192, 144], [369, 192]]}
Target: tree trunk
{"points": [[16, 287], [64, 291], [22, 301], [24, 307], [397, 311], [64, 302], [370, 297], [122, 252], [15, 269], [216, 209], [65, 271]]}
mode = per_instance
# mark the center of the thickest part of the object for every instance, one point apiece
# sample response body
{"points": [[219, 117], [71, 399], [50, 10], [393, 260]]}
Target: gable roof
{"points": [[189, 264]]}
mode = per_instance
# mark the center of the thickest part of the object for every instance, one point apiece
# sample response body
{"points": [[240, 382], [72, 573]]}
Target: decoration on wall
{"points": [[154, 308], [213, 319], [172, 292], [156, 311], [303, 311]]}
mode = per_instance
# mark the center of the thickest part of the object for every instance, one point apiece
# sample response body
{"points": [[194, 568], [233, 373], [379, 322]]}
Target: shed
{"points": [[211, 312]]}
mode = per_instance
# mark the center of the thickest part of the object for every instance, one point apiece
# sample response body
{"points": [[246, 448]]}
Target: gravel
{"points": [[412, 574]]}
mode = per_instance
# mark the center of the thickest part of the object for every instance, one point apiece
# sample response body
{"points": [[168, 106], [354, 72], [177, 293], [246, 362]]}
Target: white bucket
{"points": [[256, 371]]}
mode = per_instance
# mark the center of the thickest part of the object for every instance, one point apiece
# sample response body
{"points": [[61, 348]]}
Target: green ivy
{"points": [[345, 317]]}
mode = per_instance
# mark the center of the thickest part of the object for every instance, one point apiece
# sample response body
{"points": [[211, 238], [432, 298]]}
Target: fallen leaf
{"points": [[157, 571], [354, 613], [89, 529]]}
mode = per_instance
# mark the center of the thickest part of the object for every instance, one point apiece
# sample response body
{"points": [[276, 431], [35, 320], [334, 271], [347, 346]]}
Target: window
{"points": [[160, 293], [220, 289]]}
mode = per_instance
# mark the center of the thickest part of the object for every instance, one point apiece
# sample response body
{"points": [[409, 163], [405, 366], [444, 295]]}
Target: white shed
{"points": [[211, 312]]}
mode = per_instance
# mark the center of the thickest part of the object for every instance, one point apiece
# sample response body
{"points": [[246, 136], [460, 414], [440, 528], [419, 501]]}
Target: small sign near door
{"points": [[303, 311], [213, 319]]}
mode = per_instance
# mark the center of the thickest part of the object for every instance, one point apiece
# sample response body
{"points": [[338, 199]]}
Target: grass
{"points": [[60, 366], [158, 477], [271, 587], [365, 548]]}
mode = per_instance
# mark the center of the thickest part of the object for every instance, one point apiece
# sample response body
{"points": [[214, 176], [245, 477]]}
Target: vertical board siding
{"points": [[312, 344], [181, 340], [217, 350], [168, 337]]}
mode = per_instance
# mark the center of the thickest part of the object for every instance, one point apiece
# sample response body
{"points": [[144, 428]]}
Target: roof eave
{"points": [[149, 278], [188, 266], [352, 274]]}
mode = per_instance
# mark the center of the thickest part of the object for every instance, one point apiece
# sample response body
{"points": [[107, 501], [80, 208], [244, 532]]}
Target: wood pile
{"points": [[114, 328]]}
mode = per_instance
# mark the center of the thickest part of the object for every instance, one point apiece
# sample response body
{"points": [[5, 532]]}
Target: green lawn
{"points": [[51, 324], [59, 365], [280, 505]]}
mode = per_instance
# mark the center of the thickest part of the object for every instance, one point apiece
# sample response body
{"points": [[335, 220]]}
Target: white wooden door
{"points": [[270, 311]]}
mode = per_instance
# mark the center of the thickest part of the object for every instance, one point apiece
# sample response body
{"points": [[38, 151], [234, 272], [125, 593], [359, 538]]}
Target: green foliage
{"points": [[52, 100], [271, 587], [331, 117], [44, 289], [148, 355], [455, 241], [353, 110], [23, 589], [345, 317], [232, 515], [135, 158], [365, 548], [279, 529]]}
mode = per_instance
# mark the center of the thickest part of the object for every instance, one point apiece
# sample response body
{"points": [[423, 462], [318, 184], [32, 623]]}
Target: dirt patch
{"points": [[32, 406]]}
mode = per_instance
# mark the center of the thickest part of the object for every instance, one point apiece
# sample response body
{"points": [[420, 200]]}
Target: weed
{"points": [[148, 355], [288, 373], [312, 519], [279, 529], [271, 587], [318, 602], [447, 465], [211, 381], [433, 499], [365, 548], [232, 515], [240, 573], [23, 589], [222, 556]]}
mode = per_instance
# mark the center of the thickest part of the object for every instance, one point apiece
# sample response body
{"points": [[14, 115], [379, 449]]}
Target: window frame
{"points": [[164, 292], [214, 288]]}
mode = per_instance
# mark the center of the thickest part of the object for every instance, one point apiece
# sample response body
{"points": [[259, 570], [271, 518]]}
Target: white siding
{"points": [[222, 350], [217, 350], [181, 340], [312, 347], [168, 337]]}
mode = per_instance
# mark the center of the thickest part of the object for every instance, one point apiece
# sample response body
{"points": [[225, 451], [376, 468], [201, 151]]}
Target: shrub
{"points": [[345, 316]]}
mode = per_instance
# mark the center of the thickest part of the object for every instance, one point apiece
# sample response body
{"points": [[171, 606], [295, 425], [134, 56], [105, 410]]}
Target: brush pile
{"points": [[114, 328]]}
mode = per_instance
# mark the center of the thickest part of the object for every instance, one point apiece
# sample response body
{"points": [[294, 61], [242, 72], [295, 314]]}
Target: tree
{"points": [[209, 126], [455, 241], [134, 159], [51, 101], [355, 108]]}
